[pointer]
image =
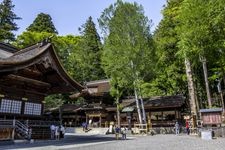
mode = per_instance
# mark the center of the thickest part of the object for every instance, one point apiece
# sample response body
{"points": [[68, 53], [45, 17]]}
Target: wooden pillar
{"points": [[100, 120], [149, 120], [176, 114], [14, 126], [86, 118], [129, 120], [179, 114]]}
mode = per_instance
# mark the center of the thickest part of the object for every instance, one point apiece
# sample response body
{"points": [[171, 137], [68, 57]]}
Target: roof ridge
{"points": [[98, 81], [37, 45], [8, 47]]}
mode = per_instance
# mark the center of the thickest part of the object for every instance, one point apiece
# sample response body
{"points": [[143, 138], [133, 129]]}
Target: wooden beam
{"points": [[26, 80], [30, 73], [8, 89]]}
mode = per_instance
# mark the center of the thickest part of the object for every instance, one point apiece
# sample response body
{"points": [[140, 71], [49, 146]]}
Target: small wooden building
{"points": [[211, 117], [161, 111], [26, 77]]}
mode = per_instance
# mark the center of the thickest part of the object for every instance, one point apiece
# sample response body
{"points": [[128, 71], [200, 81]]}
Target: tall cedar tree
{"points": [[90, 52], [42, 23], [128, 39], [7, 24], [128, 51], [201, 33], [170, 78]]}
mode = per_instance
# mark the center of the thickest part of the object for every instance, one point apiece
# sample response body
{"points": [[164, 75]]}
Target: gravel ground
{"points": [[156, 142], [161, 142]]}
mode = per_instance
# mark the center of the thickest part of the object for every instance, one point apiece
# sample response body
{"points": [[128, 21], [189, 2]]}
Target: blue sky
{"points": [[69, 15]]}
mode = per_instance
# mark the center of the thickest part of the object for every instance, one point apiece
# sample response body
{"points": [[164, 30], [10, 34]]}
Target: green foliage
{"points": [[89, 54], [29, 38], [170, 72], [67, 50], [80, 101], [43, 23], [128, 53], [53, 101], [201, 35], [116, 91], [7, 24], [201, 28]]}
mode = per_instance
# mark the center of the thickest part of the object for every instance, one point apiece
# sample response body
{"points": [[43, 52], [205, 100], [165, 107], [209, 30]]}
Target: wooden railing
{"points": [[6, 124], [140, 128], [40, 123], [22, 129], [40, 129], [16, 125]]}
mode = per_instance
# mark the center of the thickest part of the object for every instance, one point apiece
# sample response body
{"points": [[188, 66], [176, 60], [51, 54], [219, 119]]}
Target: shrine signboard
{"points": [[211, 116]]}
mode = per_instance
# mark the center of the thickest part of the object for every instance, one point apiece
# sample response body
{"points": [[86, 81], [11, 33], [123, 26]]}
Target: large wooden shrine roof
{"points": [[165, 101], [35, 69], [158, 102], [6, 50]]}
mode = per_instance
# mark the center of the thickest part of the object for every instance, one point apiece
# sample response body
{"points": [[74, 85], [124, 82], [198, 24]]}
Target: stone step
{"points": [[6, 142]]}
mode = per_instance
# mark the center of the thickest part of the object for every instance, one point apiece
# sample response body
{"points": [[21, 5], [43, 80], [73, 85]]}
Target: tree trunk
{"points": [[60, 115], [142, 107], [118, 111], [191, 89], [206, 82], [196, 100], [135, 93], [143, 110], [138, 107], [224, 79]]}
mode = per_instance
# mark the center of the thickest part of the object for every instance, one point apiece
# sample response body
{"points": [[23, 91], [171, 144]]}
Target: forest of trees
{"points": [[184, 55]]}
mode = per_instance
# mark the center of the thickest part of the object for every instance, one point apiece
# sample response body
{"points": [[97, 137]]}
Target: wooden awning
{"points": [[94, 89], [154, 103], [35, 69]]}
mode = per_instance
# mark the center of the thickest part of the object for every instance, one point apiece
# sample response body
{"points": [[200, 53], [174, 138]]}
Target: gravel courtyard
{"points": [[97, 142], [162, 142]]}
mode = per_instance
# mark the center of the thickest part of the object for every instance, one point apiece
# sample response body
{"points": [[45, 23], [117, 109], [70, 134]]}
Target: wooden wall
{"points": [[5, 133]]}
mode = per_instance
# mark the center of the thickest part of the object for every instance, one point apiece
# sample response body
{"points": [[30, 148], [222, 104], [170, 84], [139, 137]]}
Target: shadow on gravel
{"points": [[68, 140]]}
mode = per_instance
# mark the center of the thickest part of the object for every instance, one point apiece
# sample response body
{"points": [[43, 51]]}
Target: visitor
{"points": [[62, 131], [84, 126], [187, 127], [57, 131], [52, 128], [117, 132], [29, 133], [124, 133], [177, 128]]}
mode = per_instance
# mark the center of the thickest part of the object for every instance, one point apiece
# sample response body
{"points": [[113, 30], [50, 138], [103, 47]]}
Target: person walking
{"points": [[117, 132], [187, 127], [52, 128], [124, 133], [57, 131], [177, 128], [29, 133], [62, 131], [84, 126]]}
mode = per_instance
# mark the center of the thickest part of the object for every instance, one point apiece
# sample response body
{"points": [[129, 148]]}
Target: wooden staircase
{"points": [[19, 129], [15, 127]]}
